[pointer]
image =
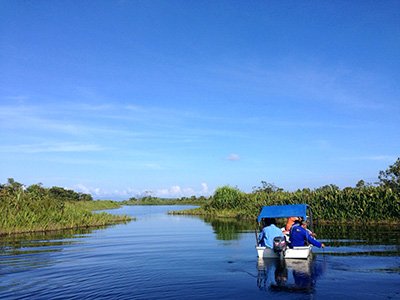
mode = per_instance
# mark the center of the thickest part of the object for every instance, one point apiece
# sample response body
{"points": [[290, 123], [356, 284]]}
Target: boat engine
{"points": [[280, 245]]}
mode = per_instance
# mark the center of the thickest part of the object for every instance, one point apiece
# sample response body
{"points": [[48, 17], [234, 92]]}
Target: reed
{"points": [[226, 197], [363, 203], [328, 204], [35, 209]]}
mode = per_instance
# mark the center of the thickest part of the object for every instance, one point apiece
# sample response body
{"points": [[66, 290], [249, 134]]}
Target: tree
{"points": [[37, 190], [267, 188], [360, 184], [391, 177], [328, 188]]}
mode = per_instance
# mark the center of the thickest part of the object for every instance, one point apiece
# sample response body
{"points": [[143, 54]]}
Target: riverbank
{"points": [[240, 215], [38, 209], [72, 215]]}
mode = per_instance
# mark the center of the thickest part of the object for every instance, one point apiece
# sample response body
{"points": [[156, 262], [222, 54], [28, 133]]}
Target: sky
{"points": [[121, 99]]}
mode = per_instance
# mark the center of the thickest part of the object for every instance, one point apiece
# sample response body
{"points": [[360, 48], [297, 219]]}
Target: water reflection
{"points": [[227, 229], [24, 243], [22, 252], [373, 234], [294, 275], [340, 239]]}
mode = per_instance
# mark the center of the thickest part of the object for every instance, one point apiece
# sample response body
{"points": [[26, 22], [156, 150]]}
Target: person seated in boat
{"points": [[268, 233], [313, 234], [289, 224], [300, 236]]}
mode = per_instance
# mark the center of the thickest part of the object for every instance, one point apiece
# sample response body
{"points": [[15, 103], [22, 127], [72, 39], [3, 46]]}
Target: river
{"points": [[161, 256]]}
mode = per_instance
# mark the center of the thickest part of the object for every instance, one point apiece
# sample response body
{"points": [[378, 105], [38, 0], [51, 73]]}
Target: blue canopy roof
{"points": [[283, 211]]}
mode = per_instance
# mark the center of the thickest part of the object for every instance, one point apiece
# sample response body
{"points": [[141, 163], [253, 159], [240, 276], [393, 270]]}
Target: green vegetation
{"points": [[364, 203], [150, 200], [35, 208], [97, 204], [41, 209]]}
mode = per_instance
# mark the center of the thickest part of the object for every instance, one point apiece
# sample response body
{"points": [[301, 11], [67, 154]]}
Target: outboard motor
{"points": [[280, 245]]}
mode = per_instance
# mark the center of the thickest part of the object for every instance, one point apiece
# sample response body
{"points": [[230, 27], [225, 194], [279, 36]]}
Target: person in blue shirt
{"points": [[269, 232], [300, 236]]}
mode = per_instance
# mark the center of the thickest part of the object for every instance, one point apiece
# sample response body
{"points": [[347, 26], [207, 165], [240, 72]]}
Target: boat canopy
{"points": [[283, 211]]}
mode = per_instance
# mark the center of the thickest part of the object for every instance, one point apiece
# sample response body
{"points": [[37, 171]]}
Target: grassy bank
{"points": [[37, 209], [364, 203], [328, 204], [97, 204]]}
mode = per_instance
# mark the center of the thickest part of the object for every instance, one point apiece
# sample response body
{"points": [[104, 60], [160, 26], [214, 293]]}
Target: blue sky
{"points": [[176, 98]]}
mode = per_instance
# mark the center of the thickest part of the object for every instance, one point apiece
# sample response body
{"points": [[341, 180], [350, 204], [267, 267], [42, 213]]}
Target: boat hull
{"points": [[295, 252]]}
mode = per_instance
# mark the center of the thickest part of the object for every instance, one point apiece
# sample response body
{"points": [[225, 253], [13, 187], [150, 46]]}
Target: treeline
{"points": [[151, 200], [364, 203], [37, 190], [35, 208]]}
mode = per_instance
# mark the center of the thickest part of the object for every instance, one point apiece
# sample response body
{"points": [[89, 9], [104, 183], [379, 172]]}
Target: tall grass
{"points": [[27, 210], [371, 203]]}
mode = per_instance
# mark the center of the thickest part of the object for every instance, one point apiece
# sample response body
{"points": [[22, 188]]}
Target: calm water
{"points": [[182, 257]]}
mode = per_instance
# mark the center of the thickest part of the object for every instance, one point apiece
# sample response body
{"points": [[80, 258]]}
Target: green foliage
{"points": [[62, 194], [97, 205], [227, 229], [150, 200], [371, 203], [267, 188], [363, 203], [391, 177], [227, 197], [37, 190], [37, 209]]}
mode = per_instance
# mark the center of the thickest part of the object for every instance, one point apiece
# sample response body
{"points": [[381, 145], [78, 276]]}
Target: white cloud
{"points": [[81, 188], [233, 157], [204, 188], [177, 191], [174, 191], [87, 190]]}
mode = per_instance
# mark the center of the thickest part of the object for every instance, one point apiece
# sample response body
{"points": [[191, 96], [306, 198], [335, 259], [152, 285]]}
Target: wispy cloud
{"points": [[18, 98], [388, 158], [312, 82], [384, 158], [112, 121], [51, 147]]}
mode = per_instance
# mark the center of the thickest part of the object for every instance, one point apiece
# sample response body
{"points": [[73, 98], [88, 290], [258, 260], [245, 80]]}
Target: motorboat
{"points": [[295, 252], [284, 211]]}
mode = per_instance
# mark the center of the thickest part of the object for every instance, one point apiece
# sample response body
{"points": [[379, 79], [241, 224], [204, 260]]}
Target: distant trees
{"points": [[68, 195], [267, 187], [152, 200], [37, 190], [328, 188], [365, 201], [361, 184], [390, 178]]}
